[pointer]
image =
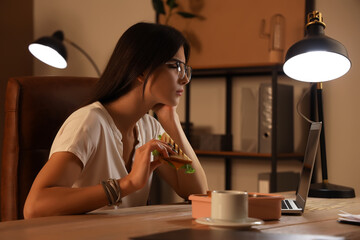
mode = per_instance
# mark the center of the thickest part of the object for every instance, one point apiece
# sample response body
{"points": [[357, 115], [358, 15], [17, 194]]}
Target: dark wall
{"points": [[16, 32]]}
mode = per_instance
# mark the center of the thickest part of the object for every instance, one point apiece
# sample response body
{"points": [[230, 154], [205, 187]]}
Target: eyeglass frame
{"points": [[187, 68]]}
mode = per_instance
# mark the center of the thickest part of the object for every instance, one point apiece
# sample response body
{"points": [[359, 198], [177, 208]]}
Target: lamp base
{"points": [[328, 190]]}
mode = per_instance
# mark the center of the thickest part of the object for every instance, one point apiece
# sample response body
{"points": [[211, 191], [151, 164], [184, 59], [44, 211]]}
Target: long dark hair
{"points": [[144, 46]]}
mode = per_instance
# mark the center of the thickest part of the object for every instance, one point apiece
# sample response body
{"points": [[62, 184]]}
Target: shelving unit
{"points": [[273, 70]]}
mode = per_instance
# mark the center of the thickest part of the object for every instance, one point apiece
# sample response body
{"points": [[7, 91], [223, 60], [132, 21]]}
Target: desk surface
{"points": [[319, 219]]}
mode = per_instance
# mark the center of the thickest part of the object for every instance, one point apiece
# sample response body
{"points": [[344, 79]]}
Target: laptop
{"points": [[297, 206]]}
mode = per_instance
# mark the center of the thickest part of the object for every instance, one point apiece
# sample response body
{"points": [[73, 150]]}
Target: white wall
{"points": [[341, 96], [92, 24]]}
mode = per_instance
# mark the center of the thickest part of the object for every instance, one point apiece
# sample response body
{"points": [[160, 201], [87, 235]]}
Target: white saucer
{"points": [[246, 223]]}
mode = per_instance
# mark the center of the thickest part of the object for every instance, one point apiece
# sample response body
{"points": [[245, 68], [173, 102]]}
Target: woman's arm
{"points": [[52, 194], [184, 184]]}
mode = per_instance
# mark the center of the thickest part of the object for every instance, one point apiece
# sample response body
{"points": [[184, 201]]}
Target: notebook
{"points": [[297, 206]]}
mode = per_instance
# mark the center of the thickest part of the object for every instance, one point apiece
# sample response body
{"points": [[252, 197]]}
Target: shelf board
{"points": [[247, 155], [264, 69]]}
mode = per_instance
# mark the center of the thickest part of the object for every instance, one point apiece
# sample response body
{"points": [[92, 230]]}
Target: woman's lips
{"points": [[179, 92]]}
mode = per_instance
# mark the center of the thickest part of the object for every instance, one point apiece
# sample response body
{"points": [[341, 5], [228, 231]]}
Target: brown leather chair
{"points": [[35, 108]]}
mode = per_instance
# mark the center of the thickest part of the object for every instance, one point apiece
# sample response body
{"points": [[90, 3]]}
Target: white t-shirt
{"points": [[91, 134]]}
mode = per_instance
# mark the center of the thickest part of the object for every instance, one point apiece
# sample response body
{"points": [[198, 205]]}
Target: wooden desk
{"points": [[319, 218]]}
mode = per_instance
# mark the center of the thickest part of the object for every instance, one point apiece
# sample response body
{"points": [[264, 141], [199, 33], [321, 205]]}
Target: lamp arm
{"points": [[85, 54]]}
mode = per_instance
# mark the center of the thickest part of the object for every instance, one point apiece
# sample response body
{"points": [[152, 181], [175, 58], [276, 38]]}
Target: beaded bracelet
{"points": [[112, 191]]}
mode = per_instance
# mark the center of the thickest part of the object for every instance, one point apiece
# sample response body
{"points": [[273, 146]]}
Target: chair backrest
{"points": [[35, 109]]}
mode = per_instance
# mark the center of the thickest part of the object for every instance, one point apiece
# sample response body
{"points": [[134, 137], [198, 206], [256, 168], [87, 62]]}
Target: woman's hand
{"points": [[142, 166], [164, 112]]}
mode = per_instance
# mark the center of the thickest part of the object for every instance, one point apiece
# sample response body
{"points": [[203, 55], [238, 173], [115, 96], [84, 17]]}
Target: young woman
{"points": [[102, 155]]}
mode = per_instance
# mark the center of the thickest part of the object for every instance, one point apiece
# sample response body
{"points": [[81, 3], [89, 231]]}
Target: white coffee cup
{"points": [[229, 205]]}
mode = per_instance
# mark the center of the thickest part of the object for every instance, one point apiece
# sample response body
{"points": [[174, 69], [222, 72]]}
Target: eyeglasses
{"points": [[181, 68]]}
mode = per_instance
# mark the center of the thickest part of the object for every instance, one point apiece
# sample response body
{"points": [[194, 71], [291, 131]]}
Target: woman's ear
{"points": [[141, 78]]}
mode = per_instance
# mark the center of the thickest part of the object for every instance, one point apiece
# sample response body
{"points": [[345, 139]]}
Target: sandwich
{"points": [[177, 160]]}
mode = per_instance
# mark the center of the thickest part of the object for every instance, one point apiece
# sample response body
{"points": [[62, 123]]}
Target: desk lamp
{"points": [[51, 50], [318, 58]]}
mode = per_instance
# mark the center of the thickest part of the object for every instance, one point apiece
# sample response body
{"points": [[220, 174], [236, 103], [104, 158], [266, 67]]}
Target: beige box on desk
{"points": [[261, 205]]}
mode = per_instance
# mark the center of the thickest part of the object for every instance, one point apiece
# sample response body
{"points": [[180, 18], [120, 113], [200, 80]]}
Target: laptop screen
{"points": [[308, 165]]}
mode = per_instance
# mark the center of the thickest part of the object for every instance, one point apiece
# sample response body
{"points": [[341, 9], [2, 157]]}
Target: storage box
{"points": [[261, 205], [215, 142]]}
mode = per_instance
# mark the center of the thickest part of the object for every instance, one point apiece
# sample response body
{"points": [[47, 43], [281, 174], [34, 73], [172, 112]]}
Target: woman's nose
{"points": [[185, 80]]}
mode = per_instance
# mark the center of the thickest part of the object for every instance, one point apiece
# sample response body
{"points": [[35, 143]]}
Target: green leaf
{"points": [[172, 4], [155, 153], [171, 164], [188, 168], [158, 6], [187, 15], [159, 137]]}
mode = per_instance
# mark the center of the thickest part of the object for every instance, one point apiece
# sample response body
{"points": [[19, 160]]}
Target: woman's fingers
{"points": [[155, 164], [143, 166], [163, 148]]}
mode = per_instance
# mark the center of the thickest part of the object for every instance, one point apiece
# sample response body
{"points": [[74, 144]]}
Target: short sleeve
{"points": [[79, 135]]}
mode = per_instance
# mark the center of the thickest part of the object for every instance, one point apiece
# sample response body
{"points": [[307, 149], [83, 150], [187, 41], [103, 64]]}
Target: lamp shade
{"points": [[50, 50], [316, 58]]}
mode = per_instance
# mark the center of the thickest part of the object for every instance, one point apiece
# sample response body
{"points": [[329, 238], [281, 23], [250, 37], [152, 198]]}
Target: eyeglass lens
{"points": [[184, 70]]}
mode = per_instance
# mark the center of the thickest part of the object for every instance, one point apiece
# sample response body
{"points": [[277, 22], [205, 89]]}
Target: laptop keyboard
{"points": [[285, 204]]}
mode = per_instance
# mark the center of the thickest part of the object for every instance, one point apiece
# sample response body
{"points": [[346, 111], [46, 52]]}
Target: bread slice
{"points": [[180, 158]]}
